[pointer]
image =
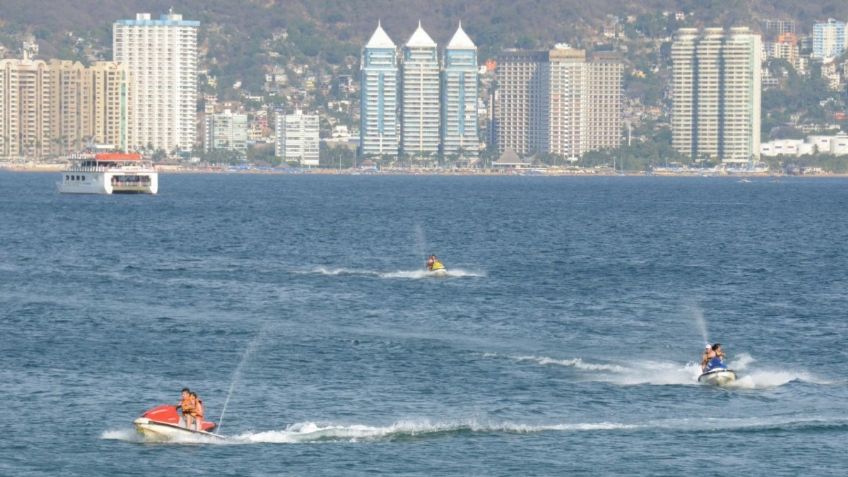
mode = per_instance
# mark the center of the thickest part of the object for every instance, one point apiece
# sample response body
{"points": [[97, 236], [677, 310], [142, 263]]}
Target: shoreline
{"points": [[170, 169]]}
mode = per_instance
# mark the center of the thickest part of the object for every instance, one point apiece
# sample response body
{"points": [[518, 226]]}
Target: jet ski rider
{"points": [[433, 263], [197, 414], [187, 404], [714, 358]]}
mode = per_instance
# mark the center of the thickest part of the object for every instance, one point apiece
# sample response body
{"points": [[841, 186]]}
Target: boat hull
{"points": [[160, 431], [718, 377], [442, 272], [110, 182]]}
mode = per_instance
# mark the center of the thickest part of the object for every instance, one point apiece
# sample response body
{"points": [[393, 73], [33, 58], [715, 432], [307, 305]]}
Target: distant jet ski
{"points": [[435, 267], [163, 423], [717, 374]]}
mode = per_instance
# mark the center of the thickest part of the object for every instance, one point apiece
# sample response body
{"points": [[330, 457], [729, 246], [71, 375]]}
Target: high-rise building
{"points": [[603, 102], [420, 107], [378, 129], [161, 58], [459, 97], [298, 138], [225, 131], [557, 102], [518, 104], [717, 94], [828, 39], [775, 27], [25, 104], [563, 89], [89, 105]]}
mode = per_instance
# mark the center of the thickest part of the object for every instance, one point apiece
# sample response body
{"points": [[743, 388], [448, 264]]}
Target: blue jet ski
{"points": [[717, 374]]}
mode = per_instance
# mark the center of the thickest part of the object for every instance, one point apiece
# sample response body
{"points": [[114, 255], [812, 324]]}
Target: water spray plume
{"points": [[248, 352]]}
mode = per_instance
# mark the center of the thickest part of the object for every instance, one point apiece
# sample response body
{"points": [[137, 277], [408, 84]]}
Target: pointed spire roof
{"points": [[461, 41], [380, 39], [420, 39]]}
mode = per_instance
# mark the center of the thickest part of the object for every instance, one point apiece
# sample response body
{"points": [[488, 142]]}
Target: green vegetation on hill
{"points": [[330, 30]]}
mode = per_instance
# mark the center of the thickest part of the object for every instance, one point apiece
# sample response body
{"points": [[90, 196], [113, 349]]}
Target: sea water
{"points": [[563, 341]]}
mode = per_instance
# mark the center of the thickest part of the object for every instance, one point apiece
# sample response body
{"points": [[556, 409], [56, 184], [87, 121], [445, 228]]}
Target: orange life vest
{"points": [[187, 404], [198, 409]]}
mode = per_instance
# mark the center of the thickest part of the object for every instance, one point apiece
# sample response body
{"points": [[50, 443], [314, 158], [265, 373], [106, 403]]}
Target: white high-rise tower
{"points": [[378, 129], [420, 92], [161, 59], [717, 94], [459, 97]]}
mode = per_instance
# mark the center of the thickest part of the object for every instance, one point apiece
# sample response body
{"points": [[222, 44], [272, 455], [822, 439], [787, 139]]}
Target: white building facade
{"points": [[225, 131], [378, 129], [420, 103], [298, 138], [459, 98], [161, 59], [717, 83], [829, 40]]}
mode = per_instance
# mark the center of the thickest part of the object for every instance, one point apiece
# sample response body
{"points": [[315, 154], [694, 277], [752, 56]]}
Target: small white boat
{"points": [[718, 377]]}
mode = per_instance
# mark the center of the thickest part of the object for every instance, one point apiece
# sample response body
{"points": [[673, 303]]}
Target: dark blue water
{"points": [[562, 342]]}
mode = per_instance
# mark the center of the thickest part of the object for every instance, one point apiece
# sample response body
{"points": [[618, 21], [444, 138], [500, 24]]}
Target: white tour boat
{"points": [[109, 173]]}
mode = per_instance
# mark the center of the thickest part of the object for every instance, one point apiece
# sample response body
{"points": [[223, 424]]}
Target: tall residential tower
{"points": [[161, 58], [420, 109], [459, 97], [378, 130], [558, 102], [716, 83]]}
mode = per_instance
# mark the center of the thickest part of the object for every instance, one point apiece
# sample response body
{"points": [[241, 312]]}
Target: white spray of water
{"points": [[698, 316], [248, 352], [420, 243]]}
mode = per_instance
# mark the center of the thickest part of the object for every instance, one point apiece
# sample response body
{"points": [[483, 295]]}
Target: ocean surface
{"points": [[562, 342]]}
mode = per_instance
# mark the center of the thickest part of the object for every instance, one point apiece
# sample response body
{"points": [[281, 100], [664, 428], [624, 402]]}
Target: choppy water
{"points": [[562, 342]]}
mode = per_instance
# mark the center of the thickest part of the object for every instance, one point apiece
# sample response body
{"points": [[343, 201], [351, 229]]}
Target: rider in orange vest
{"points": [[198, 412], [187, 404]]}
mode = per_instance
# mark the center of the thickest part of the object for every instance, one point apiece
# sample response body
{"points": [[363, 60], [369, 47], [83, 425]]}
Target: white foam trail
{"points": [[306, 432], [405, 274], [126, 435], [662, 373], [419, 274], [340, 271], [572, 363], [312, 432]]}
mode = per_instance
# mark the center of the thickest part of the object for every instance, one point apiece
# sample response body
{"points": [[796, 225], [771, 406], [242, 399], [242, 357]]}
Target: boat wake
{"points": [[308, 432], [670, 373], [402, 274]]}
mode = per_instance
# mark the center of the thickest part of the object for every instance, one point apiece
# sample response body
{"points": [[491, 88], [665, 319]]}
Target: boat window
{"points": [[83, 177]]}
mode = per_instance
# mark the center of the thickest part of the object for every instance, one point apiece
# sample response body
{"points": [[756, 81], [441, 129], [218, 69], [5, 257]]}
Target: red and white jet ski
{"points": [[163, 423]]}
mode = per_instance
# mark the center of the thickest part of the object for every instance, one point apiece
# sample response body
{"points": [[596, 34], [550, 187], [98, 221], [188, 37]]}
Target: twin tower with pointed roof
{"points": [[419, 108]]}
